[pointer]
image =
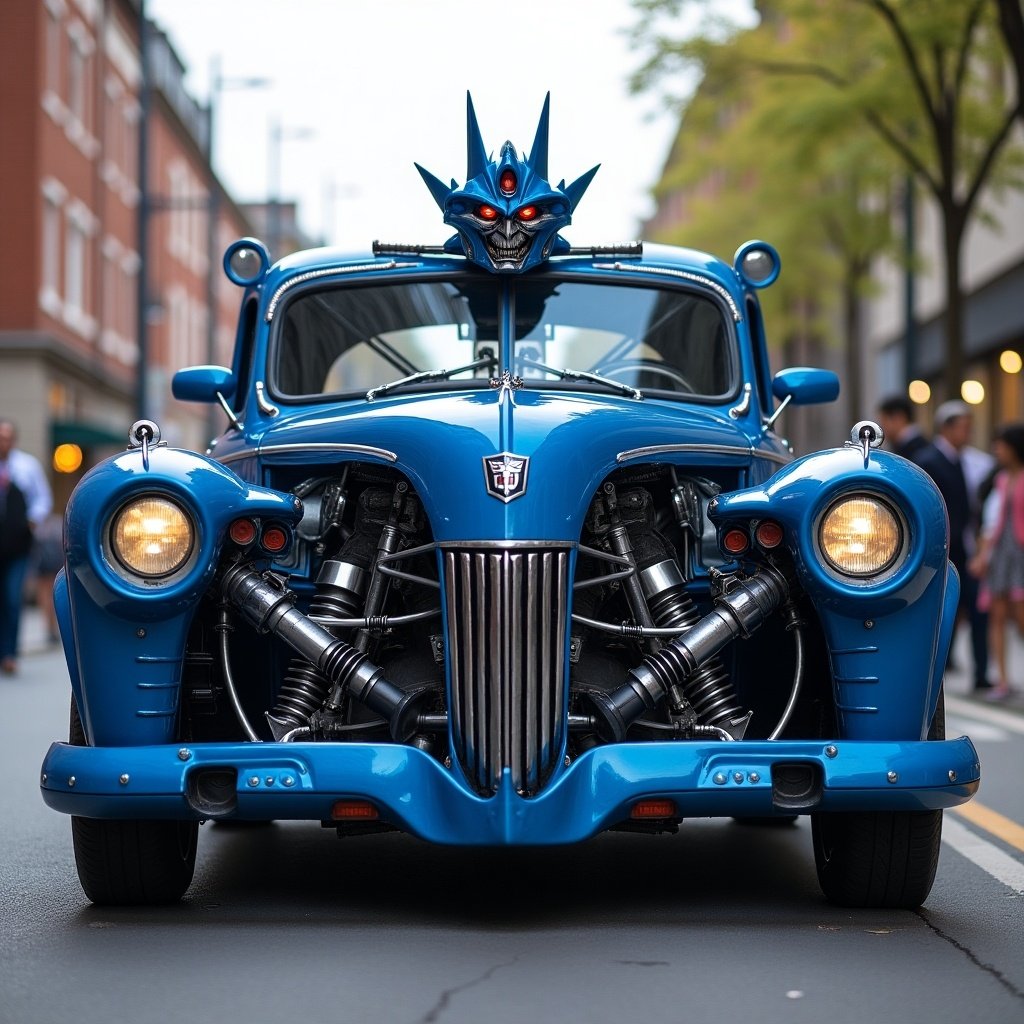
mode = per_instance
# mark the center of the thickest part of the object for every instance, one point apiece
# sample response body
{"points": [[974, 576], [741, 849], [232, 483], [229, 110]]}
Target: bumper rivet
{"points": [[44, 778], [71, 781], [754, 777], [952, 776], [270, 780], [831, 751], [737, 776], [719, 779], [124, 779], [892, 777], [184, 754], [288, 780], [254, 780]]}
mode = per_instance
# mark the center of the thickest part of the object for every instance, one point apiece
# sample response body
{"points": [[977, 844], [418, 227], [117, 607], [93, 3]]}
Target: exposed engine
{"points": [[358, 626]]}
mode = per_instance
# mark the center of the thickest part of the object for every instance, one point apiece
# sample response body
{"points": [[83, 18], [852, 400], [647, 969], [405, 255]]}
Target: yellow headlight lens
{"points": [[860, 536], [152, 536]]}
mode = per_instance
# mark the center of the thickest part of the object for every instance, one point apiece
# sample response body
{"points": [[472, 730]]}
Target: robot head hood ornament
{"points": [[508, 214]]}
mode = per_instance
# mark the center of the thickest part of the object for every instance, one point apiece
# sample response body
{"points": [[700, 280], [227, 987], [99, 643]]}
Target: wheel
{"points": [[879, 858], [131, 862], [652, 366]]}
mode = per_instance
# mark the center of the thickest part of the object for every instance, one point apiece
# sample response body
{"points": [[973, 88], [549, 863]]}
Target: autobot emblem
{"points": [[505, 474]]}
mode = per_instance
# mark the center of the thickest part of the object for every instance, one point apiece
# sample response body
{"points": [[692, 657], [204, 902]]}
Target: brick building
{"points": [[71, 103]]}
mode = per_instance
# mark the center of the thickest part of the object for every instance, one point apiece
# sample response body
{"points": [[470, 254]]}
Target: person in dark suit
{"points": [[943, 461], [896, 418]]}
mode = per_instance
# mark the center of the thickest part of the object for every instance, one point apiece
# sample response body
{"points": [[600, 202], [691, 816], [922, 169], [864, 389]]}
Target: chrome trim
{"points": [[266, 407], [317, 446], [326, 272], [720, 290], [703, 449], [507, 622], [743, 406]]}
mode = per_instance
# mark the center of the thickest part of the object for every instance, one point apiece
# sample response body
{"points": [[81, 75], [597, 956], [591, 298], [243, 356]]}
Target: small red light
{"points": [[274, 539], [354, 810], [653, 809], [508, 182], [769, 534], [735, 541], [528, 213], [242, 531], [487, 213]]}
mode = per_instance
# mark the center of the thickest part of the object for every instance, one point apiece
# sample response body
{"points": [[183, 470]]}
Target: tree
{"points": [[925, 77]]}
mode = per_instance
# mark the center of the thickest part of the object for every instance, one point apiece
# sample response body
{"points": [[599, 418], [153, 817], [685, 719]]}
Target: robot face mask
{"points": [[507, 215]]}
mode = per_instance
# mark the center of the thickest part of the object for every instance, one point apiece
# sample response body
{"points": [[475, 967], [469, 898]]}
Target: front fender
{"points": [[128, 634], [887, 638]]}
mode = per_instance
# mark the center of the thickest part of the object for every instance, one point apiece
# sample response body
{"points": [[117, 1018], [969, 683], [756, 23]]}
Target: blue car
{"points": [[500, 547]]}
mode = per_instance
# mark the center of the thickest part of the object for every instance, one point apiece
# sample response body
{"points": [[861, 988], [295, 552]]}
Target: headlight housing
{"points": [[151, 536], [861, 536]]}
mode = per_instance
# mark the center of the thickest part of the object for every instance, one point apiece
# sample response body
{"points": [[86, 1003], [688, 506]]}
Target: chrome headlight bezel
{"points": [[881, 572], [121, 562]]}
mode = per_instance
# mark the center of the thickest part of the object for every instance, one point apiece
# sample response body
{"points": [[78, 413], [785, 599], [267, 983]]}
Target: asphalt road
{"points": [[721, 922]]}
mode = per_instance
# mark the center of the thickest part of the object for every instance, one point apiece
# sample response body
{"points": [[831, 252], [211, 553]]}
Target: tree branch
{"points": [[994, 146], [973, 17], [910, 54]]}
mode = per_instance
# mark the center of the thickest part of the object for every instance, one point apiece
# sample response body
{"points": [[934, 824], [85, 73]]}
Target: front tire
{"points": [[131, 862], [877, 858], [880, 858]]}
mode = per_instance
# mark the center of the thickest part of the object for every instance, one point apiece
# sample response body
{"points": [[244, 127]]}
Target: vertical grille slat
{"points": [[507, 621]]}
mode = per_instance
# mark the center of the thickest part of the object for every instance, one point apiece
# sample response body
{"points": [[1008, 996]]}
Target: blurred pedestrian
{"points": [[48, 560], [896, 417], [946, 460], [25, 501], [999, 562]]}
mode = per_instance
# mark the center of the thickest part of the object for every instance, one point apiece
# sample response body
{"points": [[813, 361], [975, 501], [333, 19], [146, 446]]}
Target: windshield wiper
{"points": [[423, 375], [592, 378]]}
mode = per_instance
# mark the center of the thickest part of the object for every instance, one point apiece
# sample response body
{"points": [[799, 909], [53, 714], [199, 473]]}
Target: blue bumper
{"points": [[418, 795]]}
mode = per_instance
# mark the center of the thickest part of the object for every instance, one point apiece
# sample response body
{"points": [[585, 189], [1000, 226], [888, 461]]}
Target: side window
{"points": [[245, 343], [762, 371]]}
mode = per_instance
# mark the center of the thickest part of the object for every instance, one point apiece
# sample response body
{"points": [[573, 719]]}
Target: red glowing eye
{"points": [[528, 213], [508, 182], [487, 213]]}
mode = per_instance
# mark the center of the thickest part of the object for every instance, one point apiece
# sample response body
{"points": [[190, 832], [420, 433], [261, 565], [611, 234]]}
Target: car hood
{"points": [[569, 443]]}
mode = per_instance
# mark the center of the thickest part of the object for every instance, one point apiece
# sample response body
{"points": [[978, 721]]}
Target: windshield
{"points": [[354, 338]]}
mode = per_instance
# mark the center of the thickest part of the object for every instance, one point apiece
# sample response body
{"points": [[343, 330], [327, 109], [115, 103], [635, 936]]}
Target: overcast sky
{"points": [[379, 84]]}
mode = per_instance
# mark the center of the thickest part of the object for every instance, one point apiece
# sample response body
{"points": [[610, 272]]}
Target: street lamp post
{"points": [[277, 136], [218, 83]]}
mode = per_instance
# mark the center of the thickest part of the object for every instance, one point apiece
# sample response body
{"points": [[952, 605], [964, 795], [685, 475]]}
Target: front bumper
{"points": [[418, 795]]}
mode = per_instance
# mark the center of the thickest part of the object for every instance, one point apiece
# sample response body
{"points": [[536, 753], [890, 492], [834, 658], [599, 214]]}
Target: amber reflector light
{"points": [[354, 810], [734, 541], [274, 538], [769, 534], [653, 809], [242, 531]]}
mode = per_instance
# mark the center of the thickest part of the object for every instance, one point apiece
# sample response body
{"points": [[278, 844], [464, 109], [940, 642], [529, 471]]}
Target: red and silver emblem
{"points": [[505, 474]]}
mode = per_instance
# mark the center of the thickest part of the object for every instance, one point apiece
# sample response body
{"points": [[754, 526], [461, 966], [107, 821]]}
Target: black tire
{"points": [[879, 858], [131, 862]]}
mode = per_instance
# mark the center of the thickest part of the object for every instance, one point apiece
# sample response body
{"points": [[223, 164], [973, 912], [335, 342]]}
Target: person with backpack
{"points": [[25, 501]]}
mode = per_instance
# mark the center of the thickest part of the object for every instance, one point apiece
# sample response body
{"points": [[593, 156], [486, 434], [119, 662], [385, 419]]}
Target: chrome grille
{"points": [[507, 613]]}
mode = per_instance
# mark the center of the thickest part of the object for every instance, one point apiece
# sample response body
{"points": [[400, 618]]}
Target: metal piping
{"points": [[224, 627]]}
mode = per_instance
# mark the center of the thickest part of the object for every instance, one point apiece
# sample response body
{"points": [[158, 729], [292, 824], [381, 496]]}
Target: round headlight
{"points": [[860, 536], [152, 536]]}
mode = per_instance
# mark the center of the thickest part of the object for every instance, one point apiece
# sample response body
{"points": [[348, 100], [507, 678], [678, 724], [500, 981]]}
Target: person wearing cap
{"points": [[958, 469]]}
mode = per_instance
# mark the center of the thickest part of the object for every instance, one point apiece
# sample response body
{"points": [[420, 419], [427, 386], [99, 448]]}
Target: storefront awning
{"points": [[86, 434]]}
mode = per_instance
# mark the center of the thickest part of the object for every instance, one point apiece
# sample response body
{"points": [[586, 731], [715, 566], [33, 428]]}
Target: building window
{"points": [[54, 195], [79, 69], [79, 226], [53, 102]]}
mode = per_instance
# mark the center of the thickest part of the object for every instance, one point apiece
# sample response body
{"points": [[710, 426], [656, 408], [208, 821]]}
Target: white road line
{"points": [[1001, 866], [980, 713]]}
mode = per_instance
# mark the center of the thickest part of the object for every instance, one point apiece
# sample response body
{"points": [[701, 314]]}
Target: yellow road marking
{"points": [[992, 821]]}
